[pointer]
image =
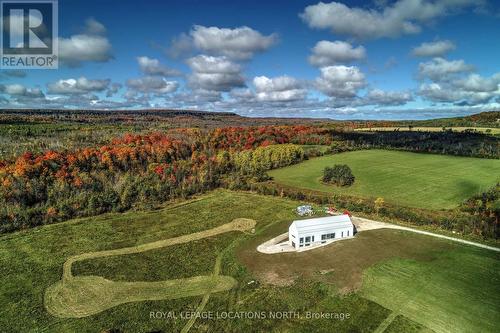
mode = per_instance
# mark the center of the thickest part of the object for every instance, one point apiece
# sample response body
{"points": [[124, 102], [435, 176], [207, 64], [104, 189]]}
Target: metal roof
{"points": [[321, 223]]}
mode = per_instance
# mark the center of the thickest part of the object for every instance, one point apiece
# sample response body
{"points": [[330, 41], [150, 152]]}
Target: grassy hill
{"points": [[483, 119], [464, 278], [409, 179], [485, 130]]}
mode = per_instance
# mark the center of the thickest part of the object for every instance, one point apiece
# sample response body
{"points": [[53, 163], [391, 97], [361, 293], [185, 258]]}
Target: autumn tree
{"points": [[379, 204]]}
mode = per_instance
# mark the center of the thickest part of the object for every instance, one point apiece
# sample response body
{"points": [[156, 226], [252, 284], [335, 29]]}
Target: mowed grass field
{"points": [[409, 179], [440, 291], [338, 278]]}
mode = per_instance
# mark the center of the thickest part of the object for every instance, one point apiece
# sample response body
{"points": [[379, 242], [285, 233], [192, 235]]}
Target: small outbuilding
{"points": [[317, 231]]}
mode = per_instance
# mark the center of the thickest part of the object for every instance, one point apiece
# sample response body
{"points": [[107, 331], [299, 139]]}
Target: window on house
{"points": [[328, 236], [308, 239], [301, 239]]}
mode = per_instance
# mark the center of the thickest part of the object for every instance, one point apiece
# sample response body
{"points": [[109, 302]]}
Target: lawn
{"points": [[330, 279], [409, 179]]}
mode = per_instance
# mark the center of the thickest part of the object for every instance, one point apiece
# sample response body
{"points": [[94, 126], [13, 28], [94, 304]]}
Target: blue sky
{"points": [[404, 59]]}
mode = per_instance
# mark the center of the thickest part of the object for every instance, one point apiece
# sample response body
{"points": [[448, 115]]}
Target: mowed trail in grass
{"points": [[409, 179], [31, 261], [82, 296]]}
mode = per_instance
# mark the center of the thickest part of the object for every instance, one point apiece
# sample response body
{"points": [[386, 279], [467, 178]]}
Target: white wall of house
{"points": [[311, 232]]}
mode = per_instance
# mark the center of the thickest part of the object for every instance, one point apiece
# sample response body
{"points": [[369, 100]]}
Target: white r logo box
{"points": [[29, 34]]}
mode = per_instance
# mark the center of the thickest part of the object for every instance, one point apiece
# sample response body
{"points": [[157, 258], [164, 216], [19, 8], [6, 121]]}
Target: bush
{"points": [[339, 174]]}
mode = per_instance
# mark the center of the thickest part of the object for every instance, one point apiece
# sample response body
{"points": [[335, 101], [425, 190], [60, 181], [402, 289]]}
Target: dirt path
{"points": [[363, 224]]}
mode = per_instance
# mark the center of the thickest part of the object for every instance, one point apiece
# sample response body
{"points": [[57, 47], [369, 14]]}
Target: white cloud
{"points": [[340, 81], [81, 85], [436, 93], [214, 73], [15, 89], [89, 46], [13, 73], [326, 53], [93, 27], [113, 89], [242, 94], [402, 17], [441, 69], [381, 97], [278, 89], [79, 48], [239, 43], [470, 90], [180, 45], [477, 83], [152, 84], [20, 90], [150, 66], [433, 49]]}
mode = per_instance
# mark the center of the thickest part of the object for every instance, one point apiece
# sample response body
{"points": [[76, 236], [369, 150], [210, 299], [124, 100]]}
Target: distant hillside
{"points": [[145, 117], [483, 119], [195, 118]]}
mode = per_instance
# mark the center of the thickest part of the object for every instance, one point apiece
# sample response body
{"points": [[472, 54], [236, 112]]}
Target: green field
{"points": [[356, 276], [440, 291], [409, 179]]}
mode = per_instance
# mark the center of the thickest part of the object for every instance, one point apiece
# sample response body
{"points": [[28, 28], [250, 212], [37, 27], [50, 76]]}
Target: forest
{"points": [[138, 170], [143, 169]]}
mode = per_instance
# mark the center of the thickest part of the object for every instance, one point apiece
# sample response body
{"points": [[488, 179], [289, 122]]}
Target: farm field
{"points": [[489, 130], [409, 179], [32, 261], [435, 293]]}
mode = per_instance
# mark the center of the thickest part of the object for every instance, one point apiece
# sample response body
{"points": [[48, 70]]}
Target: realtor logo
{"points": [[29, 34]]}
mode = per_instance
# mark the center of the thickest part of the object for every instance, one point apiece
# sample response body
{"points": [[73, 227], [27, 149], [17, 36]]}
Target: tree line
{"points": [[447, 143]]}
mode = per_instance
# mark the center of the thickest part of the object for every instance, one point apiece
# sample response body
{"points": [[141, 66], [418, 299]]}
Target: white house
{"points": [[322, 230]]}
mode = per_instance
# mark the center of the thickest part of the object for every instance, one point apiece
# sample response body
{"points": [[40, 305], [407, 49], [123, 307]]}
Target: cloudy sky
{"points": [[380, 59]]}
